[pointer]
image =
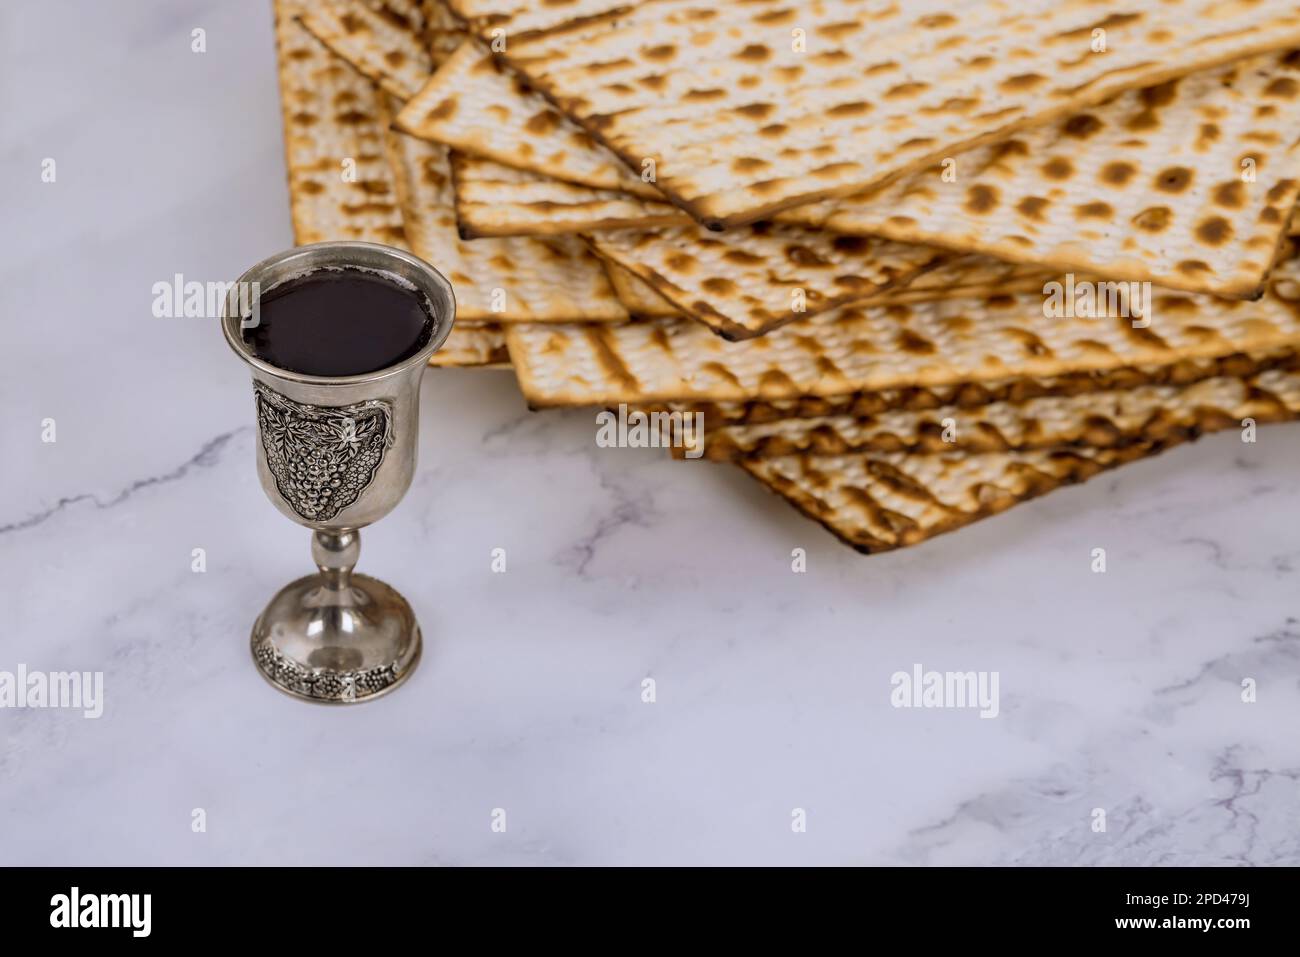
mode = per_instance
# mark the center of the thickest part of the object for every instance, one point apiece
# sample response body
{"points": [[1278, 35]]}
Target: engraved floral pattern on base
{"points": [[327, 685], [322, 458]]}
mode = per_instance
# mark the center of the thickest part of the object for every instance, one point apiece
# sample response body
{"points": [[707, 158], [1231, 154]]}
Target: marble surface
{"points": [[1119, 691]]}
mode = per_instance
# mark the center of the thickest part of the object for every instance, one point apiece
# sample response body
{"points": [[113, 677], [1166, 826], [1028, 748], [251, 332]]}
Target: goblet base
{"points": [[336, 645]]}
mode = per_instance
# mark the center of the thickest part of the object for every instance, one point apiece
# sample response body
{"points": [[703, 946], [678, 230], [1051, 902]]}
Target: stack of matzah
{"points": [[893, 253]]}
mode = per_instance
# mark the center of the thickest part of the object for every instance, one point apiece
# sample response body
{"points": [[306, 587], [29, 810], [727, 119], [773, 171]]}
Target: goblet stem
{"points": [[336, 636], [335, 553]]}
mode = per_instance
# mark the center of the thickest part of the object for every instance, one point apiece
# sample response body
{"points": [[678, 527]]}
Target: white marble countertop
{"points": [[1119, 691]]}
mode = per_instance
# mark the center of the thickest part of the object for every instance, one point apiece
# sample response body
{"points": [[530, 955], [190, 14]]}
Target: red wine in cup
{"points": [[339, 322]]}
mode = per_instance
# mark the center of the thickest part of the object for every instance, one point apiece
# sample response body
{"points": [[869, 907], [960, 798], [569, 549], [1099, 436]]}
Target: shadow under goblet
{"points": [[335, 454]]}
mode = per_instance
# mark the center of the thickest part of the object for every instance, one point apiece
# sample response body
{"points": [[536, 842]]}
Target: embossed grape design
{"points": [[322, 458]]}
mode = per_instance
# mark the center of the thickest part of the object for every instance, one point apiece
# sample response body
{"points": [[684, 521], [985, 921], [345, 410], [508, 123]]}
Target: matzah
{"points": [[333, 114], [742, 119], [964, 277], [968, 277], [383, 39], [340, 186], [470, 103], [493, 199], [878, 502], [1185, 183], [514, 17], [443, 31], [760, 277], [1002, 207], [1154, 413], [497, 200], [637, 296], [496, 280], [1188, 127], [472, 344], [971, 395], [852, 349], [1189, 184]]}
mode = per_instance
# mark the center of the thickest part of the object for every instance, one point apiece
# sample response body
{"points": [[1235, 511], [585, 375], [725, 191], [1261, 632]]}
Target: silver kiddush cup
{"points": [[336, 453]]}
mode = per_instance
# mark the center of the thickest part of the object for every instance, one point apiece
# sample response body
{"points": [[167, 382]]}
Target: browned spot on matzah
{"points": [[1009, 149], [1153, 219], [834, 31], [1032, 207], [981, 198], [1174, 179], [1118, 173], [776, 16], [1083, 126], [1058, 167], [543, 122], [1109, 22], [853, 245], [1280, 189], [803, 256], [1283, 88], [444, 110], [849, 109], [1161, 94], [1231, 194], [1215, 230], [903, 90], [1024, 81], [830, 169]]}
